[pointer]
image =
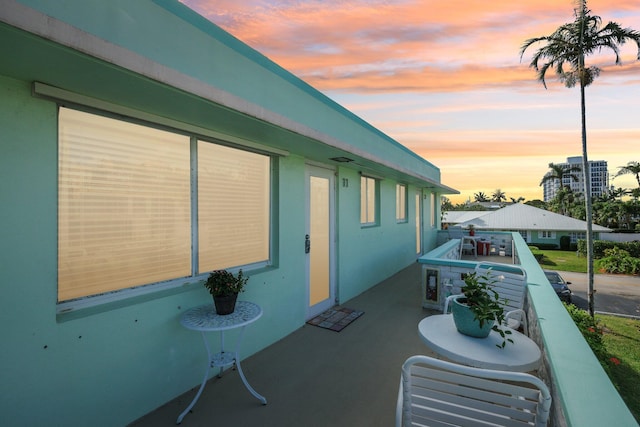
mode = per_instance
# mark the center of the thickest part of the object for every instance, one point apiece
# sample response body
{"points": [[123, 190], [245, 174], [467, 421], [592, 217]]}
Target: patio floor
{"points": [[317, 377]]}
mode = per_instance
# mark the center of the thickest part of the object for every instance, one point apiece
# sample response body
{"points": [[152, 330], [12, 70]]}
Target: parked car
{"points": [[559, 285]]}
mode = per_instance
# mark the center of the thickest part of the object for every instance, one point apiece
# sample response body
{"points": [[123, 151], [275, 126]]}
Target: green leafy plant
{"points": [[589, 328], [485, 303], [224, 283], [618, 260]]}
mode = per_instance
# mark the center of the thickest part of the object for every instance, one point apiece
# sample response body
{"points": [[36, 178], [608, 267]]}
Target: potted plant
{"points": [[225, 287], [472, 230], [479, 309]]}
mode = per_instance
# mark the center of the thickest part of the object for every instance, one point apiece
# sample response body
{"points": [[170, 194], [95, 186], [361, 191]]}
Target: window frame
{"points": [[115, 208], [365, 203], [89, 105], [433, 209], [578, 235], [546, 235], [402, 203]]}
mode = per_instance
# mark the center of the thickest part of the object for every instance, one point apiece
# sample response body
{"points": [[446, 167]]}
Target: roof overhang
{"points": [[43, 49]]}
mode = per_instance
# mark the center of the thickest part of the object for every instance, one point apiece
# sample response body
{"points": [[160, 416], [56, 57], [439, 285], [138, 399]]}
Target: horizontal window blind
{"points": [[401, 202], [124, 205], [233, 207], [367, 200]]}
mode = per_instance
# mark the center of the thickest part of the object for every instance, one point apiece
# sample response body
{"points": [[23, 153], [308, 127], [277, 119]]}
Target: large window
{"points": [[368, 200], [233, 207], [575, 236], [401, 203], [127, 207]]}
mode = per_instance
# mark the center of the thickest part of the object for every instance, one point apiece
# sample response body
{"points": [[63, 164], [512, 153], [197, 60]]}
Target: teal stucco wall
{"points": [[134, 355], [168, 66]]}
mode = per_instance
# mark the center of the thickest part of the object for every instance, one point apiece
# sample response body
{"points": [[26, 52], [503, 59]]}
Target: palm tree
{"points": [[481, 197], [445, 204], [498, 196], [631, 168], [618, 193], [518, 200], [605, 212], [558, 172], [563, 201], [568, 45], [537, 203]]}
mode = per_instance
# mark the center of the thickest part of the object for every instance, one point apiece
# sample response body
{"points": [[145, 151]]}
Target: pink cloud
{"points": [[368, 51]]}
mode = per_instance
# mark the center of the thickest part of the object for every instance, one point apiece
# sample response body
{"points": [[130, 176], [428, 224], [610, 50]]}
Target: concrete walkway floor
{"points": [[317, 377]]}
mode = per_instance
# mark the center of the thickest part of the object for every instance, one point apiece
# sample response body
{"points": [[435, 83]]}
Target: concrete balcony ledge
{"points": [[582, 393]]}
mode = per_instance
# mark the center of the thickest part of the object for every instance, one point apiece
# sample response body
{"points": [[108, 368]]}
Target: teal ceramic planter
{"points": [[465, 321]]}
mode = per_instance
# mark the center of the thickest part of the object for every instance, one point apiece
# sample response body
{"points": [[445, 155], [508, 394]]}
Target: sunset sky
{"points": [[444, 78]]}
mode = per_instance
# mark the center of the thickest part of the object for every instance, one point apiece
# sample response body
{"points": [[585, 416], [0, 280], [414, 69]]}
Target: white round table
{"points": [[205, 319], [439, 333]]}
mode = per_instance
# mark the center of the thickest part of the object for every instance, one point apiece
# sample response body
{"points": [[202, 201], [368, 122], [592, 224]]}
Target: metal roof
{"points": [[455, 217], [524, 217]]}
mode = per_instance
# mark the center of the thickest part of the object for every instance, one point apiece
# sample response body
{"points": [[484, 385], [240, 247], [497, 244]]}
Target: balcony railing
{"points": [[317, 377], [582, 393]]}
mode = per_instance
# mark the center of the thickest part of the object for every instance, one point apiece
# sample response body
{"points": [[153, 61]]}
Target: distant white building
{"points": [[597, 171]]}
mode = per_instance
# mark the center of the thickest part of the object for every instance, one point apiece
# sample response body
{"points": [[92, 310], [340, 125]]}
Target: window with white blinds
{"points": [[233, 207], [401, 203], [125, 206], [433, 210], [368, 202]]}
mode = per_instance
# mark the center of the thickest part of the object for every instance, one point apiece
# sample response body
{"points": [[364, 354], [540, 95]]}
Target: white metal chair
{"points": [[510, 281], [466, 243], [438, 393]]}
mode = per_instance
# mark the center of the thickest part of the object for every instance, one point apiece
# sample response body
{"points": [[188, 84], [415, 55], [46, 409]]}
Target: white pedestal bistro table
{"points": [[205, 319], [439, 333]]}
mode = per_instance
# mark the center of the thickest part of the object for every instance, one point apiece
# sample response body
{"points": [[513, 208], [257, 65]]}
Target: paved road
{"points": [[614, 293]]}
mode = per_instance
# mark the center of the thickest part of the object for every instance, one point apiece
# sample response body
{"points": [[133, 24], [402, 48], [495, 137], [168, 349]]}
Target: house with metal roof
{"points": [[534, 224], [457, 217]]}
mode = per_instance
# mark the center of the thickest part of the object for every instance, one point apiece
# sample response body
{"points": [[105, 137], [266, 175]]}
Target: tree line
{"points": [[618, 208]]}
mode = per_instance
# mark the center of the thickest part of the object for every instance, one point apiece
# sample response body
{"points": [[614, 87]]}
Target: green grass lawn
{"points": [[622, 340], [563, 260], [621, 336]]}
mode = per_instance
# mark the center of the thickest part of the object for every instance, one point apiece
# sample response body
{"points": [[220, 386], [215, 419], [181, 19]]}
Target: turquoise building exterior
{"points": [[160, 65]]}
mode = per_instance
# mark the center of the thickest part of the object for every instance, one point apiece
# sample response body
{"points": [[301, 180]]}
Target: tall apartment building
{"points": [[597, 171]]}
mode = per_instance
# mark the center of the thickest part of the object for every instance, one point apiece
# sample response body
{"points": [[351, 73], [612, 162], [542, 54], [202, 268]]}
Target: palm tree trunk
{"points": [[585, 163], [587, 198]]}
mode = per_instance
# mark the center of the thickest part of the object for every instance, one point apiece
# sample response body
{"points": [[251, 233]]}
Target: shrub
{"points": [[599, 247], [618, 260], [535, 251], [565, 243], [546, 246], [590, 330]]}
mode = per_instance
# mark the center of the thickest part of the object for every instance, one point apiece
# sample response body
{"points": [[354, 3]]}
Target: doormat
{"points": [[336, 319]]}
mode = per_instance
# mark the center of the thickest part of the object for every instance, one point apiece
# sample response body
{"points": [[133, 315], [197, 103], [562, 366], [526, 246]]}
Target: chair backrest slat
{"points": [[435, 392], [509, 281]]}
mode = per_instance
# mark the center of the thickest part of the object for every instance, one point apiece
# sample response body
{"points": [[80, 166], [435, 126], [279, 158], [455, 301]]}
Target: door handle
{"points": [[307, 244]]}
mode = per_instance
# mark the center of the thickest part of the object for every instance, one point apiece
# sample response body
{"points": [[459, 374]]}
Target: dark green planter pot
{"points": [[225, 304], [465, 320]]}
